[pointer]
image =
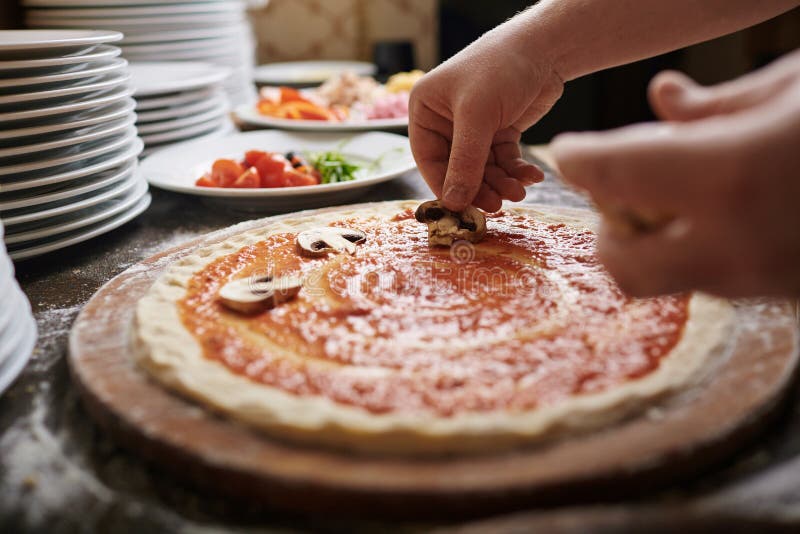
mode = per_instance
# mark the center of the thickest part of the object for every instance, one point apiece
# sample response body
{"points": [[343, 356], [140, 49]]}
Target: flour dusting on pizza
{"points": [[393, 346]]}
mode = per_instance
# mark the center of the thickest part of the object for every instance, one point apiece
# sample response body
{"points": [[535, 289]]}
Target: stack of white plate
{"points": [[212, 31], [17, 327], [68, 141], [177, 101]]}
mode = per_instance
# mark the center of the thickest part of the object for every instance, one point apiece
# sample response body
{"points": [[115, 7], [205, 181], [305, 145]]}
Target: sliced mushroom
{"points": [[254, 295], [319, 241], [445, 227]]}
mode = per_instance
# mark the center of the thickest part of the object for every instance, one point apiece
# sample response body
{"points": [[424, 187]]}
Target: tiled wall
{"points": [[344, 29]]}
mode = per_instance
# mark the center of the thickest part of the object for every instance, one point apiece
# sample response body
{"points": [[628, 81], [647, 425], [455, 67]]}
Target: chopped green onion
{"points": [[333, 167]]}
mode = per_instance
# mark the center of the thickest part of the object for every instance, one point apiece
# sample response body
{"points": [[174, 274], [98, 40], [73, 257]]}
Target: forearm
{"points": [[578, 37]]}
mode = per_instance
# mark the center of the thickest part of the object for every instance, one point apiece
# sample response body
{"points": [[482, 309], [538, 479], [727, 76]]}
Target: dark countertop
{"points": [[59, 473]]}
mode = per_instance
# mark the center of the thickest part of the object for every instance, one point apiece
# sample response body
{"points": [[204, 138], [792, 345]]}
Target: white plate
{"points": [[73, 156], [185, 35], [177, 168], [84, 234], [104, 3], [110, 10], [42, 18], [28, 200], [92, 117], [179, 99], [74, 221], [104, 83], [31, 44], [225, 129], [229, 56], [75, 137], [184, 122], [74, 204], [184, 46], [158, 78], [97, 69], [309, 72], [55, 64], [250, 115], [175, 112], [185, 133], [88, 168], [17, 356], [96, 100]]}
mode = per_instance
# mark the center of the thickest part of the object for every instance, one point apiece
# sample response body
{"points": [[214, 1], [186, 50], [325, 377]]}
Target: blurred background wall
{"points": [[345, 29]]}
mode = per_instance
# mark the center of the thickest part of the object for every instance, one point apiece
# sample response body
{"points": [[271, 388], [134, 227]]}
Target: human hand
{"points": [[723, 168], [466, 118]]}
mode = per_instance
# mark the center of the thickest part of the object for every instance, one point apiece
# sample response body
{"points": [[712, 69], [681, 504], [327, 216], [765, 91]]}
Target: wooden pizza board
{"points": [[670, 441]]}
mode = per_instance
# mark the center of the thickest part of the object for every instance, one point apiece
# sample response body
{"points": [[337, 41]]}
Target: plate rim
{"points": [[36, 96], [55, 162], [128, 106], [100, 53], [156, 127], [249, 115], [113, 65], [133, 151], [72, 38], [80, 236], [120, 173], [72, 226], [119, 125], [214, 75], [179, 110], [123, 183], [112, 96], [366, 67]]}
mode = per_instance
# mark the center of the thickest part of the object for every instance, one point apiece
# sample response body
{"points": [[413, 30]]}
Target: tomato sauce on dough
{"points": [[523, 319]]}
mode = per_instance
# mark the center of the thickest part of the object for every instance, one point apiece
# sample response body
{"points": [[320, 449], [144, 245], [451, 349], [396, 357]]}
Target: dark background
{"points": [[616, 97]]}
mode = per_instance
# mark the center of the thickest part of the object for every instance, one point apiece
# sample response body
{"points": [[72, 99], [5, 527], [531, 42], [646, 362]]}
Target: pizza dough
{"points": [[344, 390]]}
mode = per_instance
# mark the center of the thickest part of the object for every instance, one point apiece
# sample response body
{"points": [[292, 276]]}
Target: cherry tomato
{"points": [[226, 171], [251, 157], [293, 177], [248, 179], [206, 181], [271, 168]]}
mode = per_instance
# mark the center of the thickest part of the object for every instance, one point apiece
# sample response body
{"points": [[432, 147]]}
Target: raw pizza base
{"points": [[171, 355]]}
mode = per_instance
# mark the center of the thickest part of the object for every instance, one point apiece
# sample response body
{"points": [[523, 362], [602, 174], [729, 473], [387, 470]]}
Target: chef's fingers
{"points": [[505, 186], [672, 260], [653, 166], [469, 152], [508, 155], [676, 97], [430, 151], [487, 198]]}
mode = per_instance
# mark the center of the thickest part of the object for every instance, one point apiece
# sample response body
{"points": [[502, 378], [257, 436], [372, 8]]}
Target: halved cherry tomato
{"points": [[226, 171], [206, 181], [248, 179], [251, 157], [293, 177], [271, 168]]}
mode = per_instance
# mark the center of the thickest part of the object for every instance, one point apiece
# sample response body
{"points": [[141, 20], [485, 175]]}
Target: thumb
{"points": [[676, 97], [472, 140]]}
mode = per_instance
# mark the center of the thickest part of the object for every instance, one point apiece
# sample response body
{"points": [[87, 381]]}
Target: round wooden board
{"points": [[671, 440]]}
